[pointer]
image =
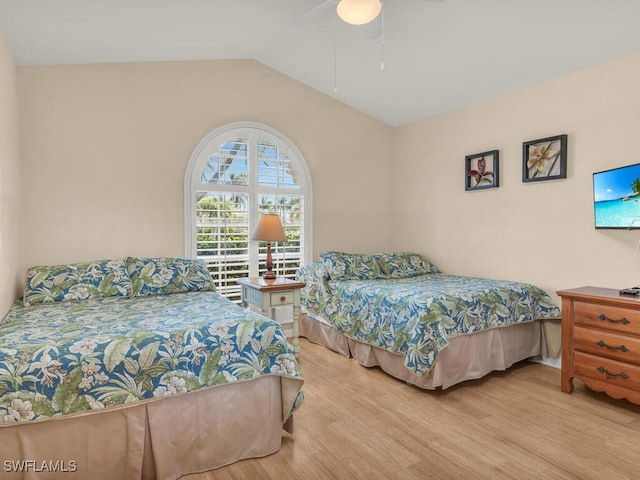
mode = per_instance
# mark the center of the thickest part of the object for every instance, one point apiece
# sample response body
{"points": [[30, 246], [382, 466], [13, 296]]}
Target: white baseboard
{"points": [[550, 361]]}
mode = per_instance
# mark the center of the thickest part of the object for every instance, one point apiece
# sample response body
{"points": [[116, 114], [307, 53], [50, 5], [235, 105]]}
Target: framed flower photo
{"points": [[544, 159], [481, 170]]}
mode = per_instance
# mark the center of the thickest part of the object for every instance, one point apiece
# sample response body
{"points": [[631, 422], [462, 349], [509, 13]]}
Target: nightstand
{"points": [[267, 295], [601, 341]]}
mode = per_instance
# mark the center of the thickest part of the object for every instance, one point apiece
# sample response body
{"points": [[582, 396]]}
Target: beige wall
{"points": [[106, 146], [540, 232], [10, 245]]}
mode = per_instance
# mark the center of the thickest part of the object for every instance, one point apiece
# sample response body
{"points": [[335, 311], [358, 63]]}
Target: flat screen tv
{"points": [[616, 197]]}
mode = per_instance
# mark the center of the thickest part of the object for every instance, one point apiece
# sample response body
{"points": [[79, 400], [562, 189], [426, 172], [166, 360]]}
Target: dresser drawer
{"points": [[282, 298], [618, 319], [606, 370], [607, 344]]}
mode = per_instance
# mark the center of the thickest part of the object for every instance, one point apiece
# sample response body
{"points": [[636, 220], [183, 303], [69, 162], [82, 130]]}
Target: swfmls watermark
{"points": [[38, 466]]}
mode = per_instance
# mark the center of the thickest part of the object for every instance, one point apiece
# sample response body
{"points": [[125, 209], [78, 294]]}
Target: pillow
{"points": [[404, 264], [350, 266], [78, 281], [162, 276]]}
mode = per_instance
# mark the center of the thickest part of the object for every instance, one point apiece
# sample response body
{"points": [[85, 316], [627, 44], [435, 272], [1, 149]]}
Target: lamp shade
{"points": [[358, 12], [269, 229]]}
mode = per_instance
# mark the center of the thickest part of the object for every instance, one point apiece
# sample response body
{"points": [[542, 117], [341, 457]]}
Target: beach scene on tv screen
{"points": [[616, 194]]}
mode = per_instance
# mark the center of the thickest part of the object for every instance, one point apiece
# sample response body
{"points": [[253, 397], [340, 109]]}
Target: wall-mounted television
{"points": [[616, 197]]}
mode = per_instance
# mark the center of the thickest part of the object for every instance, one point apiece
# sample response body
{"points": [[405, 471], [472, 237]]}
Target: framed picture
{"points": [[481, 170], [544, 159]]}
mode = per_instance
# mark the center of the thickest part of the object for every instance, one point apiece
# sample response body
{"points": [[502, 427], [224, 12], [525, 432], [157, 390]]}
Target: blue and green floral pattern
{"points": [[416, 316], [79, 281], [404, 264], [350, 266], [72, 357], [162, 276]]}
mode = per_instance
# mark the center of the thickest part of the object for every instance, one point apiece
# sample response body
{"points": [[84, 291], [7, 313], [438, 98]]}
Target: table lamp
{"points": [[269, 229]]}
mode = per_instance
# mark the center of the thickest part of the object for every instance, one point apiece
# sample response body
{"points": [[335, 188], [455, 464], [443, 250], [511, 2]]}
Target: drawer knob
{"points": [[283, 298], [622, 348], [622, 375], [603, 317]]}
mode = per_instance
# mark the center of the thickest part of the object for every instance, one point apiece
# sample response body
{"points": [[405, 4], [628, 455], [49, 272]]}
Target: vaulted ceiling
{"points": [[438, 55]]}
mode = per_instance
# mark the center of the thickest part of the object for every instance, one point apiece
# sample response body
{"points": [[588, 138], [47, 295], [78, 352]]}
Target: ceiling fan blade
{"points": [[373, 29], [315, 12]]}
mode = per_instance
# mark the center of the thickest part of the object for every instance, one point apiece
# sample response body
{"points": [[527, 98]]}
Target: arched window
{"points": [[236, 173]]}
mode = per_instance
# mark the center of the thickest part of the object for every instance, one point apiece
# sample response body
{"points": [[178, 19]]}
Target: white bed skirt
{"points": [[159, 439], [466, 357]]}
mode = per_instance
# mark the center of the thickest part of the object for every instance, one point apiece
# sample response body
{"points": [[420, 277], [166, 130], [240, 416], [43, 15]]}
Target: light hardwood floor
{"points": [[359, 423]]}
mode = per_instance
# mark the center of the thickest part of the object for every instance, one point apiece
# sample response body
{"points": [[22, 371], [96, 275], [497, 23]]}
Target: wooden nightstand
{"points": [[267, 295]]}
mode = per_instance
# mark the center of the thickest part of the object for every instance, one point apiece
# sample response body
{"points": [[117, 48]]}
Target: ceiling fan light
{"points": [[358, 12]]}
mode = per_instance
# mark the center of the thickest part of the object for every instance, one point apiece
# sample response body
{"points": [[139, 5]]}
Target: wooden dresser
{"points": [[601, 341]]}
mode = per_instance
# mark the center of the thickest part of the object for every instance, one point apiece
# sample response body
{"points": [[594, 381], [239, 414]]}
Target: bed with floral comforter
{"points": [[69, 357], [400, 303], [113, 336]]}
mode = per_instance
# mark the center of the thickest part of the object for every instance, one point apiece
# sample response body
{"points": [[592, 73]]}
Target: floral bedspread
{"points": [[417, 316], [71, 357]]}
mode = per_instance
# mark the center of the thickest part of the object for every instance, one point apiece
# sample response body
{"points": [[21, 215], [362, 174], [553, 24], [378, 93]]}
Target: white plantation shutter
{"points": [[235, 174], [222, 237]]}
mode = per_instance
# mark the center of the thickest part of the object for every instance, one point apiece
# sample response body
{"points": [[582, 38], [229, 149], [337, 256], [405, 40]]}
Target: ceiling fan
{"points": [[368, 13], [353, 12]]}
